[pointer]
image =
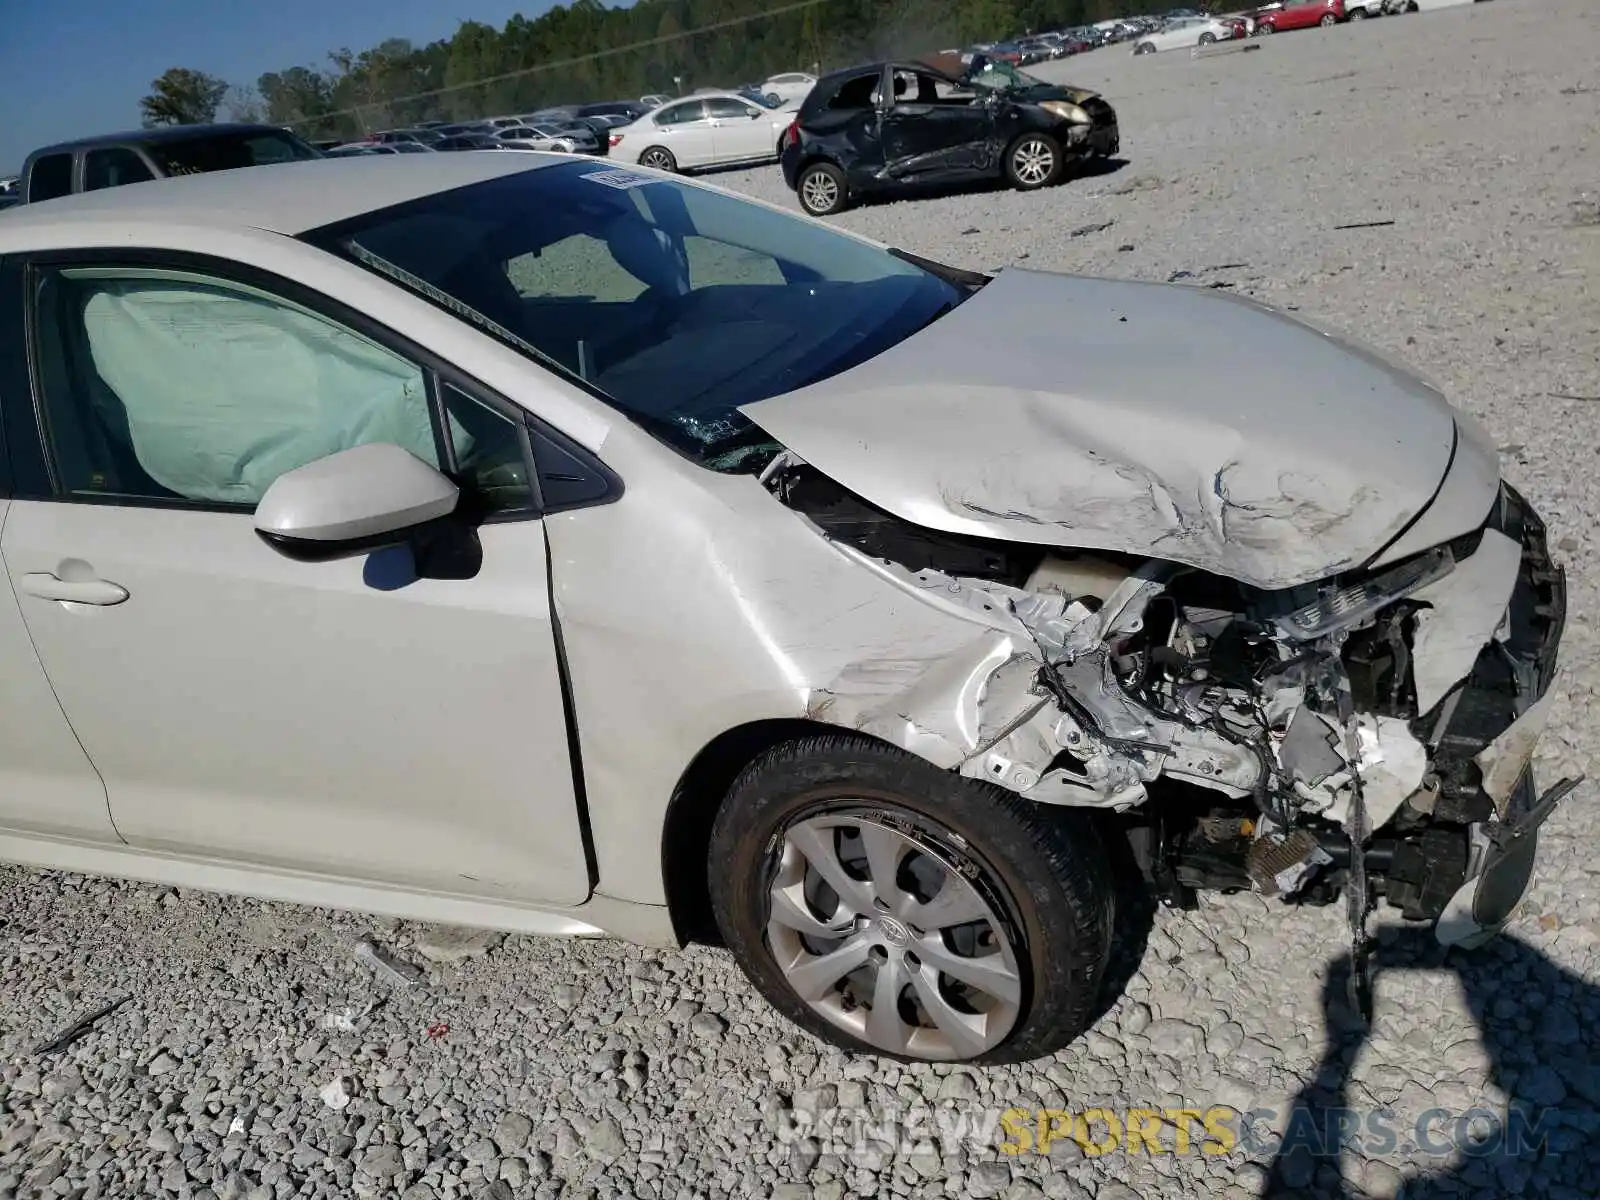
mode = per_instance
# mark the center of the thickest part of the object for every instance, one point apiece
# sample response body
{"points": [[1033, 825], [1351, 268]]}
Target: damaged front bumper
{"points": [[1369, 736], [1098, 138], [1470, 865]]}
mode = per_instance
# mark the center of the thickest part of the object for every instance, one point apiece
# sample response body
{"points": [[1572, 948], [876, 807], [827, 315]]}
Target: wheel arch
{"points": [[700, 791]]}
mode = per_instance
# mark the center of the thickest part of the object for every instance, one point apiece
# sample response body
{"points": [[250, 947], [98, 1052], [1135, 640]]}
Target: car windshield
{"points": [[674, 302], [999, 76], [226, 151]]}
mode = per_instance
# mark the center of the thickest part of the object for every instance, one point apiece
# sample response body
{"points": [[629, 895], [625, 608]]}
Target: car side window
{"points": [[113, 167], [51, 177], [172, 386], [729, 110], [860, 92], [681, 114], [491, 453]]}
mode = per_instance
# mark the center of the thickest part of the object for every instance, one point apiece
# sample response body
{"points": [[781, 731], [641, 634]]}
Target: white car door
{"points": [[343, 717], [684, 129], [1178, 34], [47, 784], [741, 131]]}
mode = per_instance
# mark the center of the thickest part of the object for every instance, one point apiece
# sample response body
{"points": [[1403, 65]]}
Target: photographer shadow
{"points": [[1540, 1026]]}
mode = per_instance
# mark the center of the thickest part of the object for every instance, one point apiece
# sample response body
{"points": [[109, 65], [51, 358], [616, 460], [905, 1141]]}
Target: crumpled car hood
{"points": [[1160, 420]]}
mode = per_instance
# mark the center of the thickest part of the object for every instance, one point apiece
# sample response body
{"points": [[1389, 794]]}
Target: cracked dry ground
{"points": [[600, 1069]]}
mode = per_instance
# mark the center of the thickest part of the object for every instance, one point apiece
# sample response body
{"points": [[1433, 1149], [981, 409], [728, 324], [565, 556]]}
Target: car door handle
{"points": [[88, 591]]}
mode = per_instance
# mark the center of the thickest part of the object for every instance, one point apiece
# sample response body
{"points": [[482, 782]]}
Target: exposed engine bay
{"points": [[1366, 736]]}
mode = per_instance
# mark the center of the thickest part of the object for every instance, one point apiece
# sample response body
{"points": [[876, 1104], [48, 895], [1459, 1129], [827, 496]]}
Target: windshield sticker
{"points": [[619, 179]]}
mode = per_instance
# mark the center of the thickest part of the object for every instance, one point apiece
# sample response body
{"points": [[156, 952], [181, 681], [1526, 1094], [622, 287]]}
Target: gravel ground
{"points": [[526, 1067]]}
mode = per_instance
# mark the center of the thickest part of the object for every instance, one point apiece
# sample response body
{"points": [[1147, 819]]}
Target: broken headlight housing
{"points": [[1067, 111], [1339, 607]]}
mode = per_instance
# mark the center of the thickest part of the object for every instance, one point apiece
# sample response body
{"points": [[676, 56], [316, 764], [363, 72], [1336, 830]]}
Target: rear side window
{"points": [[855, 93], [681, 114], [113, 167], [51, 177], [222, 152], [729, 109]]}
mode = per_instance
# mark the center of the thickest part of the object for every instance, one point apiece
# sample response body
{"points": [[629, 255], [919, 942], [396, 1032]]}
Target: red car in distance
{"points": [[1296, 14]]}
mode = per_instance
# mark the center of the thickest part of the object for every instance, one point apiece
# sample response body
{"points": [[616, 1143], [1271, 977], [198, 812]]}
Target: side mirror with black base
{"points": [[368, 498]]}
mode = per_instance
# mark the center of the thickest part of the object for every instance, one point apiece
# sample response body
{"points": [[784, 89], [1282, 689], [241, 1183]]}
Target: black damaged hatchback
{"points": [[890, 124]]}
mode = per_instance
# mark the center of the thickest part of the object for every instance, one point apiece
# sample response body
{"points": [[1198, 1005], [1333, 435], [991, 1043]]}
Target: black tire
{"points": [[1020, 176], [1262, 29], [1328, 19], [660, 158], [1144, 48], [1042, 869], [1207, 38], [1358, 14], [822, 189]]}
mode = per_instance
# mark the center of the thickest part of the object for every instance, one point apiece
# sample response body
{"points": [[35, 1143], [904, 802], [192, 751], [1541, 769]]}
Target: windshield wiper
{"points": [[956, 275]]}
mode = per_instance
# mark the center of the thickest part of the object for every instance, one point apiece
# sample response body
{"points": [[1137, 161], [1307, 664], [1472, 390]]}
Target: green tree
{"points": [[299, 96], [180, 96], [245, 104], [584, 50]]}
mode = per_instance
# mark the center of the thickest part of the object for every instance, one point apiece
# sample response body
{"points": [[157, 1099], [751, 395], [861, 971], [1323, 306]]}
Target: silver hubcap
{"points": [[1033, 161], [821, 193], [875, 930], [658, 160]]}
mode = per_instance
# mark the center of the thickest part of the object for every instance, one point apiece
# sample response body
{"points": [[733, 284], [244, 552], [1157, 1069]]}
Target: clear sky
{"points": [[79, 68]]}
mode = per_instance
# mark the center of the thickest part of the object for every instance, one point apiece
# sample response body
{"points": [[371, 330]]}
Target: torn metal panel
{"points": [[1392, 767], [1036, 689], [1504, 760], [1465, 608], [1161, 440], [938, 708]]}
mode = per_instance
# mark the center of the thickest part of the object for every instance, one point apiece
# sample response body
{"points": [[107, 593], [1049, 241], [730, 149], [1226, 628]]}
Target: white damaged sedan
{"points": [[528, 542]]}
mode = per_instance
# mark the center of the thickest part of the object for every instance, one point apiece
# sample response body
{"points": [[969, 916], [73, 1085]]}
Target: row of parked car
{"points": [[588, 128], [864, 129], [1184, 29], [1181, 28]]}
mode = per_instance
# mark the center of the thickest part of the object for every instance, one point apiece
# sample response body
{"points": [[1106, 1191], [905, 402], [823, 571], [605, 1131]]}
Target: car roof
{"points": [[286, 198], [167, 133], [708, 94]]}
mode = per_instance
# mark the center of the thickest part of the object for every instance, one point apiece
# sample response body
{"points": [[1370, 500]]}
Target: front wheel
{"points": [[894, 908], [1358, 14], [1144, 48], [1327, 20], [1262, 29], [659, 158], [1207, 38], [1034, 161], [822, 189]]}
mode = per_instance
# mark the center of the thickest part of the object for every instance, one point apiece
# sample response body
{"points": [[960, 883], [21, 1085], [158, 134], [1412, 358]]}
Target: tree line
{"points": [[585, 51]]}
